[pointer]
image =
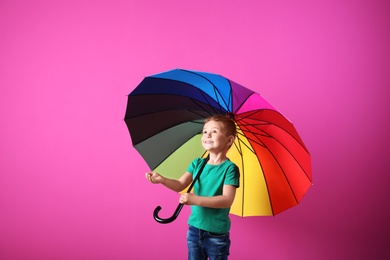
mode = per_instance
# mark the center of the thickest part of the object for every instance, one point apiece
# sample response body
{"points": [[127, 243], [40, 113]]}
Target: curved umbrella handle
{"points": [[180, 206], [167, 220]]}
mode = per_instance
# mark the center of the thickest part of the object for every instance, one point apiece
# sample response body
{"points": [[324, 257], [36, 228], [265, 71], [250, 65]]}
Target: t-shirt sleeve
{"points": [[233, 176], [193, 166]]}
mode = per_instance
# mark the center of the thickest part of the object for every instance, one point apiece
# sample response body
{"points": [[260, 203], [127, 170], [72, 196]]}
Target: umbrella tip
{"points": [[230, 115]]}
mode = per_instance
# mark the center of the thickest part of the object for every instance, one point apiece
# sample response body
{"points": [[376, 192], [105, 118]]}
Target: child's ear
{"points": [[231, 140]]}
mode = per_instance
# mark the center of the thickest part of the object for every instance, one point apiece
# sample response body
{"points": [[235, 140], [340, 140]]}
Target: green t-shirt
{"points": [[210, 183]]}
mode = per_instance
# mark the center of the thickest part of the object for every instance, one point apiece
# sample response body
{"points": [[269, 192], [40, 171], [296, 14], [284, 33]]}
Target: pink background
{"points": [[73, 187]]}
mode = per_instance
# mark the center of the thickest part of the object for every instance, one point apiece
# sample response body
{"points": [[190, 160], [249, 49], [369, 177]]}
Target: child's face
{"points": [[215, 138]]}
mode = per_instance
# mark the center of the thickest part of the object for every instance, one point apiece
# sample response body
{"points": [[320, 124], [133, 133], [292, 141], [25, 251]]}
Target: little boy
{"points": [[214, 191]]}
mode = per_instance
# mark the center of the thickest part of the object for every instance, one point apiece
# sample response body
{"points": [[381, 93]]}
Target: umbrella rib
{"points": [[242, 103], [218, 101], [239, 149], [257, 111], [204, 96], [215, 110], [270, 123], [230, 98], [195, 101], [247, 146], [168, 155], [216, 91], [292, 155], [289, 184], [243, 128], [270, 136], [191, 111], [263, 145], [261, 166]]}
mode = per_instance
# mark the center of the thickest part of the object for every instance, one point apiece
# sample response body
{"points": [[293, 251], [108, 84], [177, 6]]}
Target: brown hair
{"points": [[228, 123]]}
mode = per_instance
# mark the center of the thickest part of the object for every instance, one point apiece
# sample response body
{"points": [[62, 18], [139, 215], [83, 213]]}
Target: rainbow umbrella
{"points": [[165, 114]]}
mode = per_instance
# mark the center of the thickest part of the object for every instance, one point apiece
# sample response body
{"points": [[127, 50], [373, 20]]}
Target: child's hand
{"points": [[187, 199], [153, 177]]}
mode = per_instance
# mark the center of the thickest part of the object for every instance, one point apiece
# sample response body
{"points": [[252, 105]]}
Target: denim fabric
{"points": [[203, 244]]}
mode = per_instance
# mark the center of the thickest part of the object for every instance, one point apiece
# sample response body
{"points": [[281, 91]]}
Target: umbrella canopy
{"points": [[165, 115]]}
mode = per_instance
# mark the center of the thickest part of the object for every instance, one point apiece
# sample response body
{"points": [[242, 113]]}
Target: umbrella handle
{"points": [[178, 209], [167, 220], [180, 206]]}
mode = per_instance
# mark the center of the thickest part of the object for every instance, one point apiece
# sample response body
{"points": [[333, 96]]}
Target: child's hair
{"points": [[228, 123]]}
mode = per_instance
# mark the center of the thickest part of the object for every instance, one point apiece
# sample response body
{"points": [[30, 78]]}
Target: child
{"points": [[214, 191]]}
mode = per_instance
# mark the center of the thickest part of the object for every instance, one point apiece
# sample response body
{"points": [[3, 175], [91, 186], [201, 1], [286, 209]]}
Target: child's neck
{"points": [[217, 158]]}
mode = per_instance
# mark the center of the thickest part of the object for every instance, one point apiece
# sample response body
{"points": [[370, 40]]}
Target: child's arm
{"points": [[175, 185], [222, 201]]}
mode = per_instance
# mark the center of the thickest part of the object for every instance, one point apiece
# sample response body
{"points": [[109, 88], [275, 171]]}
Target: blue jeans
{"points": [[203, 244]]}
